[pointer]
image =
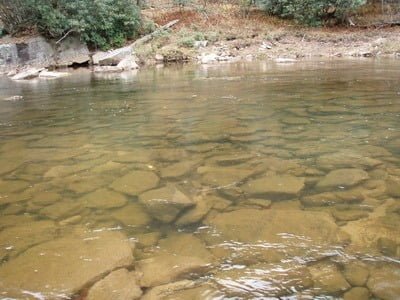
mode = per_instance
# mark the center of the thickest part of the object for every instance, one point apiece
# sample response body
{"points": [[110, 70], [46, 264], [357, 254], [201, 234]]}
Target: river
{"points": [[256, 180]]}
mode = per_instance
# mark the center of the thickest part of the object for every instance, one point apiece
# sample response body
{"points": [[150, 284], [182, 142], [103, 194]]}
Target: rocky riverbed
{"points": [[243, 181]]}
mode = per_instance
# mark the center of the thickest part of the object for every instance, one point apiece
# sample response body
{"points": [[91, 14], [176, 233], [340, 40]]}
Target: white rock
{"points": [[208, 58], [27, 74], [49, 74], [112, 57], [14, 98], [200, 44], [159, 58], [107, 69], [128, 63], [284, 60]]}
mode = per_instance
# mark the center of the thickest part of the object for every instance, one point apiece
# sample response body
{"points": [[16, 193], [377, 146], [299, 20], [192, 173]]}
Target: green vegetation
{"points": [[101, 23], [311, 12]]}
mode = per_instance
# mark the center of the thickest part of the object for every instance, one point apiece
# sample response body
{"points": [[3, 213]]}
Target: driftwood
{"points": [[150, 36], [379, 25]]}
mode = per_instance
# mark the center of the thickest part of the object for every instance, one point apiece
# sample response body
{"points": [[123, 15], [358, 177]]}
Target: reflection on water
{"points": [[242, 181]]}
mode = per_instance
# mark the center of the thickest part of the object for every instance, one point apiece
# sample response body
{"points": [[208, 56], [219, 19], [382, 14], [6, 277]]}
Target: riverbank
{"points": [[216, 33], [225, 33]]}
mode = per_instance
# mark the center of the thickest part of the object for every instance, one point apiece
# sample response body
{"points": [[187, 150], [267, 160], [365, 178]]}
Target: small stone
{"points": [[166, 203], [328, 279], [148, 239], [118, 285], [223, 176], [178, 169], [135, 182], [103, 199], [45, 198]]}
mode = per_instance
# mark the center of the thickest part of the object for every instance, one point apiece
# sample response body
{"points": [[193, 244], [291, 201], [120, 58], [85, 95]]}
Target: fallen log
{"points": [[150, 36]]}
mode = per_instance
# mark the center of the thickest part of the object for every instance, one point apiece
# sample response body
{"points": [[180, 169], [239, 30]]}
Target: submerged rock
{"points": [[357, 293], [103, 199], [166, 203], [275, 185], [62, 267], [132, 215], [328, 279], [271, 235], [356, 273], [263, 280], [118, 285], [163, 291], [135, 182], [384, 282], [342, 178], [393, 186], [346, 159], [167, 268], [223, 176]]}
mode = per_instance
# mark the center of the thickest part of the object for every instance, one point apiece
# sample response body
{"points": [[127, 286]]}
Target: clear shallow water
{"points": [[252, 181]]}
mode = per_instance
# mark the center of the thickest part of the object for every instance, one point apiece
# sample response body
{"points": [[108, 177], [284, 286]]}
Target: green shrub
{"points": [[100, 23], [311, 12]]}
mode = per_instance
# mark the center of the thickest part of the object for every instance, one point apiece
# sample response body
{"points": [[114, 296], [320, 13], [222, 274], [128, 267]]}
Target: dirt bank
{"points": [[232, 34]]}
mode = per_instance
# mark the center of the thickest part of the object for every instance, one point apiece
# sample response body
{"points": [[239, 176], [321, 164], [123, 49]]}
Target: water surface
{"points": [[240, 181]]}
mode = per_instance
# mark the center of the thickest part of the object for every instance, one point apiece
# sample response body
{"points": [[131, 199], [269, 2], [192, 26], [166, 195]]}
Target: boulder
{"points": [[62, 267], [166, 203], [384, 282], [275, 185], [135, 182], [167, 268], [72, 50], [342, 178], [118, 285], [35, 51], [27, 74]]}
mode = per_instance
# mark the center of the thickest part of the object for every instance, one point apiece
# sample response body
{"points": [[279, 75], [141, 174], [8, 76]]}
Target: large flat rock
{"points": [[135, 182], [62, 267], [275, 185], [271, 235], [342, 178]]}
